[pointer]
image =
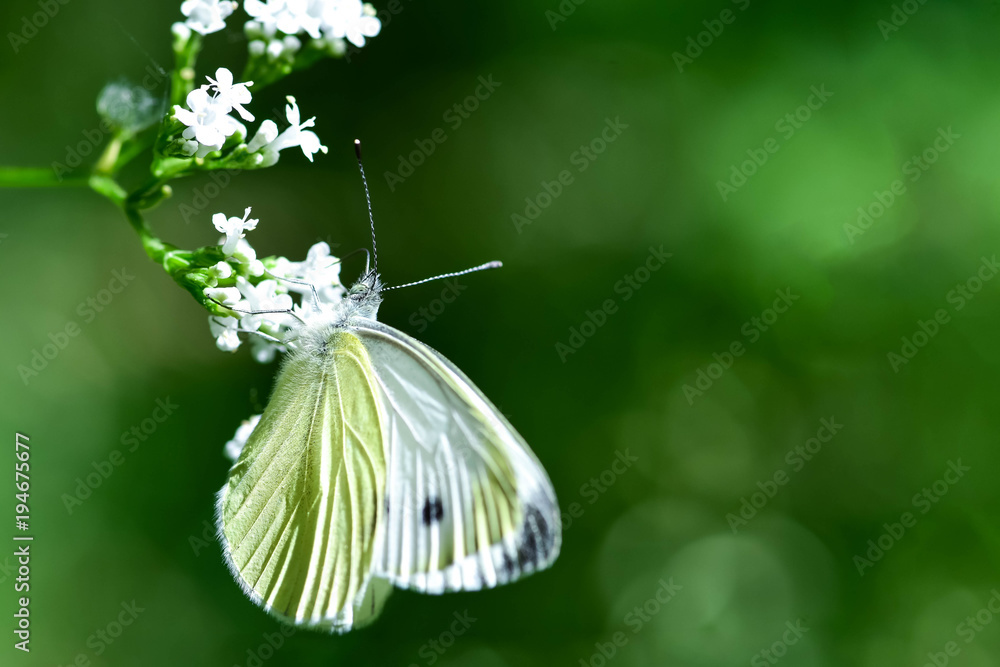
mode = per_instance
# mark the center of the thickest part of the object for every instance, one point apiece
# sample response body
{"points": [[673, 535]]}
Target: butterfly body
{"points": [[378, 463]]}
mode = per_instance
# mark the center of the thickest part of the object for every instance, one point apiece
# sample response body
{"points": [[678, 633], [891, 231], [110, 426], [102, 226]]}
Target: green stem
{"points": [[105, 164], [182, 79], [37, 177], [156, 189], [108, 187], [154, 247]]}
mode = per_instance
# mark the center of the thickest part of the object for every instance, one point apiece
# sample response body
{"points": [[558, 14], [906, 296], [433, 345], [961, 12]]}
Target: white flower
{"points": [[307, 15], [243, 433], [207, 116], [245, 254], [181, 31], [289, 16], [230, 95], [234, 229], [208, 124], [282, 15], [327, 22], [267, 13], [207, 16], [220, 271], [224, 331], [264, 296], [321, 270], [227, 296], [308, 311], [267, 133], [350, 19], [263, 350], [295, 135]]}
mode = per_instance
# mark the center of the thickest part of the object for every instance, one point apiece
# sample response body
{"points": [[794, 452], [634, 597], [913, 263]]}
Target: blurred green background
{"points": [[144, 535]]}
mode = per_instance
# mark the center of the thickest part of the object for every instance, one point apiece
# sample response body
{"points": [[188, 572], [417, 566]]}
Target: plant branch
{"points": [[37, 177]]}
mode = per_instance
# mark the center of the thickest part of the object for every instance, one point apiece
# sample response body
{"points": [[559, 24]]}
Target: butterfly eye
{"points": [[358, 292]]}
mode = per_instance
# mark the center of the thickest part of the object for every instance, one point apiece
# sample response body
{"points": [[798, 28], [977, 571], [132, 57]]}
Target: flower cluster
{"points": [[209, 124], [206, 128], [261, 296], [207, 116], [277, 25], [207, 16]]}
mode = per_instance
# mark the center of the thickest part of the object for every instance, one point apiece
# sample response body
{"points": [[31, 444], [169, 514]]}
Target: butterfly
{"points": [[377, 464]]}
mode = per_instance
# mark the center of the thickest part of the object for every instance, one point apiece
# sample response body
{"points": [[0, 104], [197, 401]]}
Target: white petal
{"points": [[185, 116], [244, 114], [310, 144], [255, 8], [267, 133], [224, 77], [370, 26], [223, 269], [220, 221], [228, 296], [292, 111]]}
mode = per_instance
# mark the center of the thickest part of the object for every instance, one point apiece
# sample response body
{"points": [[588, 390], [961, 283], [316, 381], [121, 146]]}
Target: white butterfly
{"points": [[378, 463]]}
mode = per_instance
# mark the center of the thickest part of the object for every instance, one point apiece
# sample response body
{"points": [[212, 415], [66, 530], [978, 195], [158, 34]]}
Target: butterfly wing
{"points": [[301, 512], [468, 504]]}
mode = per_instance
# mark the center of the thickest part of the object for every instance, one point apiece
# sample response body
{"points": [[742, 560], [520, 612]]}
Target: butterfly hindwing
{"points": [[468, 504], [301, 514]]}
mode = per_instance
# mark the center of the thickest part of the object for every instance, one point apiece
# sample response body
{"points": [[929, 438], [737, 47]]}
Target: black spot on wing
{"points": [[544, 535], [535, 537], [509, 567], [527, 550], [433, 511]]}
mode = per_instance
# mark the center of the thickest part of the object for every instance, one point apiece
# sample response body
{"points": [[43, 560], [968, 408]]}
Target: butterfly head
{"points": [[364, 297]]}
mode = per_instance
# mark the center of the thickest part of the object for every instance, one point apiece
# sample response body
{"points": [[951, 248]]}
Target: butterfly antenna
{"points": [[368, 198], [481, 267]]}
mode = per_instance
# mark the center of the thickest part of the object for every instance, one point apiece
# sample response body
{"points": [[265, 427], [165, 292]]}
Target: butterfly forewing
{"points": [[300, 516], [468, 504]]}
